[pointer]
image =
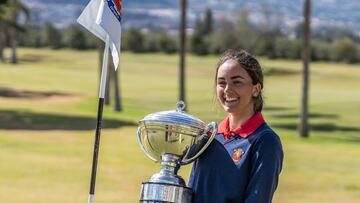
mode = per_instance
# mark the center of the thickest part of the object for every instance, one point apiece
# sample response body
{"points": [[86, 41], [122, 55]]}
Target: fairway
{"points": [[48, 107]]}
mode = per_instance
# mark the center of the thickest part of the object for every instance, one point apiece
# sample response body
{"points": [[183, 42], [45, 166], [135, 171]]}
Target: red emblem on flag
{"points": [[118, 5], [115, 7], [237, 154]]}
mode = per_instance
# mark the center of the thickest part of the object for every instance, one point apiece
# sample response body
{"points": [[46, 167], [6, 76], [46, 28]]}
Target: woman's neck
{"points": [[236, 120]]}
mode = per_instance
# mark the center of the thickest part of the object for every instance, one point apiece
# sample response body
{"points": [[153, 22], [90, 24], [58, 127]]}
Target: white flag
{"points": [[102, 18]]}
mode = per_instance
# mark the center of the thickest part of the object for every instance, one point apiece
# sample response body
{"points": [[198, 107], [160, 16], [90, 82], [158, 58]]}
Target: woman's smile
{"points": [[231, 100]]}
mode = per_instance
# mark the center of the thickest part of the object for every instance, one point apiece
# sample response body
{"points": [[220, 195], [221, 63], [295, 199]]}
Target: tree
{"points": [[245, 32], [9, 14], [282, 47], [224, 37], [2, 29], [76, 38], [150, 43], [166, 43], [134, 40], [115, 82], [2, 42], [53, 37], [345, 50], [208, 24], [198, 44], [35, 37], [332, 34], [304, 126], [3, 22], [16, 7], [199, 41], [182, 37], [265, 45]]}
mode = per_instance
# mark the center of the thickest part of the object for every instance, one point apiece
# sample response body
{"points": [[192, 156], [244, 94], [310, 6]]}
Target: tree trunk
{"points": [[14, 39], [1, 53], [14, 43], [101, 47], [304, 126], [182, 52], [118, 105], [115, 83], [108, 78], [2, 46], [2, 42]]}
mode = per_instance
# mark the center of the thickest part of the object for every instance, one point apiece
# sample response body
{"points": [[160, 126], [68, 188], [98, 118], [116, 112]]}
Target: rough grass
{"points": [[48, 112]]}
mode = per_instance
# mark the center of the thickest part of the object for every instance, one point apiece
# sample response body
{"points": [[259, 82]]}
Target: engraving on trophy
{"points": [[173, 138]]}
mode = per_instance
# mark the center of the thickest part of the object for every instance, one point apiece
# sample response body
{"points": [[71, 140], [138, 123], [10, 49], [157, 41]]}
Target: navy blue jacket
{"points": [[243, 170]]}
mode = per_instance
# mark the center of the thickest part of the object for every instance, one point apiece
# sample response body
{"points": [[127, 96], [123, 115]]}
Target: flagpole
{"points": [[99, 120]]}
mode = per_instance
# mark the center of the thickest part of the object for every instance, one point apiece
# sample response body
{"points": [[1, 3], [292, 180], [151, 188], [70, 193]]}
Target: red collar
{"points": [[244, 130]]}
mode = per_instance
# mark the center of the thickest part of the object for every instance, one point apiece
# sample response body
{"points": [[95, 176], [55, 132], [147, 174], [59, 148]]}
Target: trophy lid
{"points": [[174, 117]]}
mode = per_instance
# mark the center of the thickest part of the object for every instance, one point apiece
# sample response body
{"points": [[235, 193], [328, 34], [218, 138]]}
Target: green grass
{"points": [[47, 130]]}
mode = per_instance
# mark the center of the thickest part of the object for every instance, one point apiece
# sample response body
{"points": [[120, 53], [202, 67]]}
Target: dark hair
{"points": [[252, 67]]}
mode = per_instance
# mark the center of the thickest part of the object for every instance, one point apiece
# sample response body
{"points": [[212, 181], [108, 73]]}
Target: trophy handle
{"points": [[211, 126], [142, 146]]}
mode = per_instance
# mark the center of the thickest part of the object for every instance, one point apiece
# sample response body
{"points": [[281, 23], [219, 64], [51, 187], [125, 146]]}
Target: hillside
{"points": [[145, 13]]}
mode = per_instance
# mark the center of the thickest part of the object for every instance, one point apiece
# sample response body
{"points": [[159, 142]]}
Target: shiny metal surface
{"points": [[167, 173], [175, 138], [158, 192], [174, 132], [157, 138], [175, 117]]}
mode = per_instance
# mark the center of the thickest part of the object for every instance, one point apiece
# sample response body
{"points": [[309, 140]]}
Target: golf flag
{"points": [[102, 18]]}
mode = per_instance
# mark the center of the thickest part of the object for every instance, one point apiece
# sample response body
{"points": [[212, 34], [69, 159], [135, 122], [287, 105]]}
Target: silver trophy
{"points": [[173, 138]]}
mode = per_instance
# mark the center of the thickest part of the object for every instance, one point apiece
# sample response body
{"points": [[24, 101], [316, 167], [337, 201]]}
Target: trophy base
{"points": [[152, 192]]}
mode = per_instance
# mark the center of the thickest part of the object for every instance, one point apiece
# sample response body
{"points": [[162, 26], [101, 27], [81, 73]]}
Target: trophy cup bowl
{"points": [[172, 138]]}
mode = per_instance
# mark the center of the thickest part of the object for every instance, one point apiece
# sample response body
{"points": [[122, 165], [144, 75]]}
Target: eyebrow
{"points": [[232, 78]]}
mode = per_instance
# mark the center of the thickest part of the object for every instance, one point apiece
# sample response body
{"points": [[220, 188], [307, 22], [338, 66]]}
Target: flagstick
{"points": [[99, 120]]}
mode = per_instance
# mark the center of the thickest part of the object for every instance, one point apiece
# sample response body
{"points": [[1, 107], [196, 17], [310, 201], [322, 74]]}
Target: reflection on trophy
{"points": [[173, 138]]}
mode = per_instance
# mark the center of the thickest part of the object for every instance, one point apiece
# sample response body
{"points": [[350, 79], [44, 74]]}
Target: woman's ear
{"points": [[256, 90]]}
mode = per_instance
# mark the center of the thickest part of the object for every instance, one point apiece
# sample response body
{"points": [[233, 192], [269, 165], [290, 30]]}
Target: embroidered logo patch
{"points": [[237, 153]]}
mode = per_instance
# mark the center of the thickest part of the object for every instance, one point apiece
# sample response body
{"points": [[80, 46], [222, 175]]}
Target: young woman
{"points": [[244, 161]]}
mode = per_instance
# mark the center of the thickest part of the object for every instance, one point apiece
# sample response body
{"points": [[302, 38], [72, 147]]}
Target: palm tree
{"points": [[182, 51], [10, 11], [117, 95], [304, 126], [2, 28]]}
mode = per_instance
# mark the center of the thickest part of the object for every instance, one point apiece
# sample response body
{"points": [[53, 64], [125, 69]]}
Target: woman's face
{"points": [[234, 88]]}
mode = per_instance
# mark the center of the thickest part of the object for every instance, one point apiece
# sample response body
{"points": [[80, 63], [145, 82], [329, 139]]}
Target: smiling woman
{"points": [[235, 91], [244, 163]]}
